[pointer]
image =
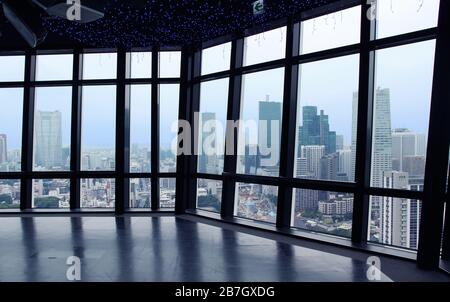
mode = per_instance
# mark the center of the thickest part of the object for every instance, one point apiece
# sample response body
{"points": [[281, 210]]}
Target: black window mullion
{"points": [[289, 125], [233, 111], [27, 132], [155, 131], [364, 129], [75, 143]]}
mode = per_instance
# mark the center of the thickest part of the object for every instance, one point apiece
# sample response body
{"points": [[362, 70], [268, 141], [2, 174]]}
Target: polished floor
{"points": [[167, 248]]}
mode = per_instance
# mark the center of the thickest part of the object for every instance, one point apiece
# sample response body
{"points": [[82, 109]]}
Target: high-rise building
{"points": [[48, 139], [329, 167], [408, 152], [345, 162], [208, 158], [269, 137], [3, 149], [340, 142], [313, 155], [316, 130], [351, 176]]}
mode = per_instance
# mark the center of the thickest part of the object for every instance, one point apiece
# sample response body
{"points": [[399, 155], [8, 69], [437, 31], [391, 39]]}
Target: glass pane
{"points": [[327, 119], [168, 113], [216, 59], [322, 211], [12, 68], [209, 195], [140, 128], [98, 192], [257, 202], [140, 65], [9, 194], [167, 189], [395, 221], [404, 77], [11, 102], [395, 17], [54, 67], [99, 66], [330, 31], [98, 128], [140, 193], [212, 125], [52, 128], [51, 193], [264, 47], [169, 64], [261, 115]]}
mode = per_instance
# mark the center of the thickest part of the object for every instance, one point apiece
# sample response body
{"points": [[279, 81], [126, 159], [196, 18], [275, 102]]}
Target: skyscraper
{"points": [[208, 158], [313, 155], [3, 149], [316, 130], [351, 176], [48, 139], [269, 116]]}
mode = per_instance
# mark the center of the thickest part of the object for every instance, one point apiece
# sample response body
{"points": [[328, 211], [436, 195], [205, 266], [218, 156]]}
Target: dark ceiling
{"points": [[145, 23]]}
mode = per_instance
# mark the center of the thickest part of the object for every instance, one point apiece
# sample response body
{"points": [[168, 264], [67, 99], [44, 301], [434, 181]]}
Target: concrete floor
{"points": [[167, 248]]}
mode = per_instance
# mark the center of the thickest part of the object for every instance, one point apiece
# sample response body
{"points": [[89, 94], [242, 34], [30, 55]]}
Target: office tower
{"points": [[351, 176], [421, 144], [403, 144], [313, 154], [208, 158], [339, 142], [329, 166], [269, 137], [316, 130], [48, 139], [414, 166], [301, 169], [3, 149], [414, 211], [345, 163]]}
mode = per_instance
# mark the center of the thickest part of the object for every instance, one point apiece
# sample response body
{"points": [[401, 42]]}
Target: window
{"points": [[54, 67], [323, 211], [327, 119], [216, 59], [51, 193], [212, 126], [209, 195], [256, 202], [396, 17], [11, 104], [52, 128], [260, 129], [330, 31], [167, 187], [98, 193], [140, 193], [12, 68], [264, 47], [99, 66], [170, 64], [140, 128], [401, 114], [168, 114], [395, 221], [9, 193], [98, 128], [140, 65]]}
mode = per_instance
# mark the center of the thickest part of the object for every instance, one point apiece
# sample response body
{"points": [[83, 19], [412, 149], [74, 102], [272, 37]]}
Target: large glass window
{"points": [[209, 195], [216, 59], [12, 68], [140, 193], [99, 66], [261, 117], [264, 47], [323, 211], [140, 65], [256, 202], [396, 17], [11, 104], [98, 192], [169, 95], [327, 119], [54, 67], [98, 128], [330, 31], [401, 114], [9, 193], [140, 128], [212, 126], [52, 128], [169, 64], [167, 190], [51, 193]]}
